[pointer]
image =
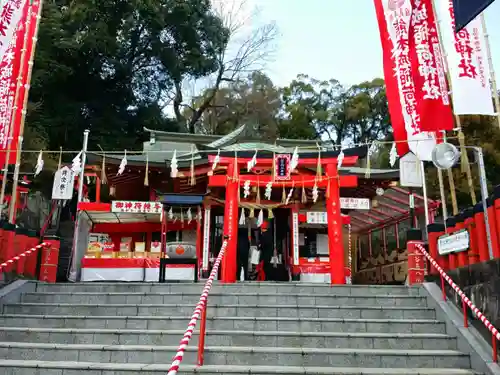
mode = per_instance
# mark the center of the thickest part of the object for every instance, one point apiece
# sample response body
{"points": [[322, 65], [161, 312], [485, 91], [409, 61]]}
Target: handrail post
{"points": [[464, 310], [443, 290], [201, 339], [494, 348]]}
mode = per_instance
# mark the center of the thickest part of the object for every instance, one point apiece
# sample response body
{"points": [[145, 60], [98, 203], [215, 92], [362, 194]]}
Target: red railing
{"points": [[466, 302], [8, 266], [48, 220], [200, 310]]}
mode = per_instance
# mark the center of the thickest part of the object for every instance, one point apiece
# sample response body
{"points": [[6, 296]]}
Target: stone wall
{"points": [[481, 283]]}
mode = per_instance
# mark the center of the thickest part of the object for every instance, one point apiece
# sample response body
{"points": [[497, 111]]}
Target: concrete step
{"points": [[221, 298], [250, 287], [249, 356], [15, 367], [303, 311], [269, 339], [227, 323]]}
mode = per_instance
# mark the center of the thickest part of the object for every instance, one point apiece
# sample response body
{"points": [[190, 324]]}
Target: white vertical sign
{"points": [[63, 184], [295, 228], [467, 63], [206, 238]]}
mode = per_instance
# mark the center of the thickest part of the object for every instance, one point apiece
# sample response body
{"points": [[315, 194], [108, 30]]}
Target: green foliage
{"points": [[107, 64]]}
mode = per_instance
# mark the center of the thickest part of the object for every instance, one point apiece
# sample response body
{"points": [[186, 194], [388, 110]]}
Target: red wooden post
{"points": [[480, 233], [335, 242], [231, 224], [470, 225], [462, 260], [416, 270], [450, 228], [50, 259], [434, 231], [490, 202]]}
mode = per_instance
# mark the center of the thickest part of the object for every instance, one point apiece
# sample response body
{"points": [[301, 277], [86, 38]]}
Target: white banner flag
{"points": [[10, 15], [467, 63]]}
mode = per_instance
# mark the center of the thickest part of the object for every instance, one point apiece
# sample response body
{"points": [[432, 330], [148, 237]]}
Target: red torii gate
{"points": [[331, 181]]}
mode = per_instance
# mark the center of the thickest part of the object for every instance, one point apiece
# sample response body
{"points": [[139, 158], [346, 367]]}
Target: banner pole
{"points": [[461, 138], [14, 111], [12, 210], [492, 68]]}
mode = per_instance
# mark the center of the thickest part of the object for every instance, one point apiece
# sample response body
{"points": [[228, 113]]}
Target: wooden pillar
{"points": [[231, 224], [335, 242]]}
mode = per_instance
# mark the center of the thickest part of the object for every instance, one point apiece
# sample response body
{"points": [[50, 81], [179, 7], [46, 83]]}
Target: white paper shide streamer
{"points": [[189, 215], [39, 164], [269, 190], [173, 165], [289, 196], [294, 161], [123, 164], [170, 213], [253, 162], [242, 217], [76, 163], [315, 193], [340, 159], [246, 189], [216, 160], [260, 218], [393, 155]]}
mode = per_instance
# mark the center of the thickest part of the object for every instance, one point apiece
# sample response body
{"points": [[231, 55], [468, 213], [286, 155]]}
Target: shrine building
{"points": [[331, 220]]}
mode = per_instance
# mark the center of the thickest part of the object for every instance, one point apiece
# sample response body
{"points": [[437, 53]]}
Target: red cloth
{"points": [[113, 263], [261, 275]]}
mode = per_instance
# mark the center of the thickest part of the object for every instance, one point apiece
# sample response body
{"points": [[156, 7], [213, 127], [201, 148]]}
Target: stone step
{"points": [[16, 367], [222, 298], [227, 323], [230, 338], [250, 287], [249, 356], [303, 311]]}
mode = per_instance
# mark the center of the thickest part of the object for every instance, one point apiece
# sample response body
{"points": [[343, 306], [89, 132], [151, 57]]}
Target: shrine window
{"points": [[313, 242]]}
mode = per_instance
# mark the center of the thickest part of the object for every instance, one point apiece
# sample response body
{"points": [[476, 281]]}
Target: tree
{"points": [[240, 54], [252, 100], [327, 109], [106, 65]]}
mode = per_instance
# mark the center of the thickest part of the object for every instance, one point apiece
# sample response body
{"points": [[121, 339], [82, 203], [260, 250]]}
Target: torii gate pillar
{"points": [[334, 215]]}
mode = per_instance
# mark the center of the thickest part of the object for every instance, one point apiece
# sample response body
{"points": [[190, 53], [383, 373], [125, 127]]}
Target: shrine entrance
{"points": [[267, 189]]}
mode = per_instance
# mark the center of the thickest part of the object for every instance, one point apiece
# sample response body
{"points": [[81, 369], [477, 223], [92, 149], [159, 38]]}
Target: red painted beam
{"points": [[225, 160], [141, 227], [93, 206], [221, 181]]}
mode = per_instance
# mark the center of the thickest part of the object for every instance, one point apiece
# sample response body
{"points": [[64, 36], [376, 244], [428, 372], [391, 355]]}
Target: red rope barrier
{"points": [[462, 295], [196, 314], [22, 255]]}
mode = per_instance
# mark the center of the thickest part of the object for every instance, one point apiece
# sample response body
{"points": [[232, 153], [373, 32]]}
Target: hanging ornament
{"points": [[315, 192], [246, 189], [123, 164], [303, 198], [340, 159], [319, 170], [189, 215], [252, 213], [257, 198], [270, 214], [371, 150], [242, 217], [283, 195], [253, 162], [89, 181], [173, 165], [76, 163], [192, 178], [104, 178], [269, 190], [39, 164], [171, 213], [198, 215], [393, 155], [260, 218], [146, 173], [294, 161], [182, 218], [216, 161], [290, 193]]}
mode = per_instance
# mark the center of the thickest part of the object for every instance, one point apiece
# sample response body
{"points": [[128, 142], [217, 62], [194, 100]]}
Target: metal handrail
{"points": [[199, 311], [466, 302]]}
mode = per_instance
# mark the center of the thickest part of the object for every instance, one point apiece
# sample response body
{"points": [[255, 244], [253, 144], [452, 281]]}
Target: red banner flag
{"points": [[428, 70], [416, 92]]}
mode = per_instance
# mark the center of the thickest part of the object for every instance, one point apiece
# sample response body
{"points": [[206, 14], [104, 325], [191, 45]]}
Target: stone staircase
{"points": [[126, 329]]}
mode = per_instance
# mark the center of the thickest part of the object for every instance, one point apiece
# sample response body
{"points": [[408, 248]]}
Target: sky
{"points": [[333, 38]]}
